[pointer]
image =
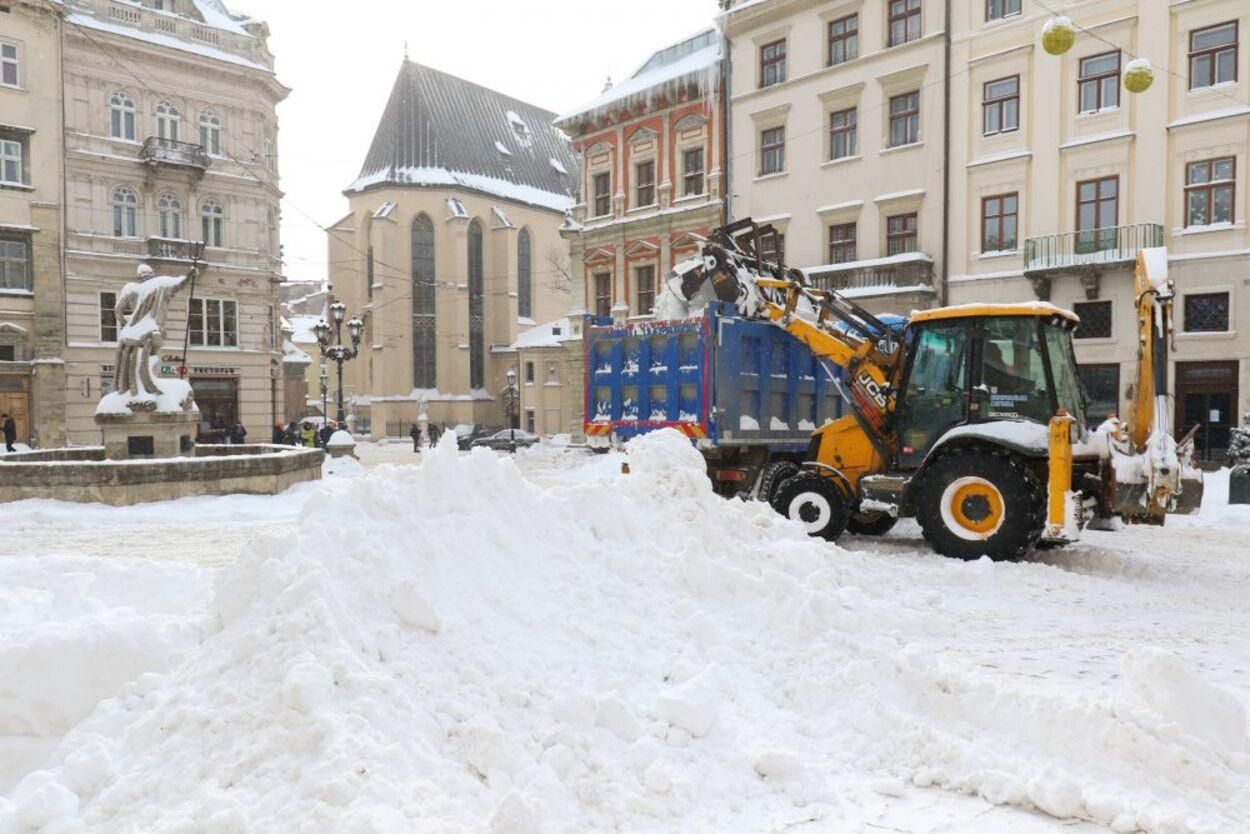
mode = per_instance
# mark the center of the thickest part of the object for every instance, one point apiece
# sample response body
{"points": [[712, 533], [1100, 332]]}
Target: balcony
{"points": [[911, 271], [170, 249], [159, 151]]}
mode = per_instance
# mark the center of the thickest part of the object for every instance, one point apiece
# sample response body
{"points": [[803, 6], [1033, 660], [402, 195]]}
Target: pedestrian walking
{"points": [[238, 434], [10, 432], [308, 435], [327, 431], [279, 434], [415, 434]]}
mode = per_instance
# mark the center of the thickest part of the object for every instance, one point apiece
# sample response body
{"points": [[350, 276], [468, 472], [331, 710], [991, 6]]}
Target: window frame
{"points": [[777, 149], [911, 9], [28, 268], [911, 233], [213, 224], [601, 285], [108, 317], [848, 38], [164, 209], [1006, 11], [210, 132], [1209, 188], [776, 62], [777, 251], [1213, 54], [15, 62], [998, 105], [122, 107], [999, 219], [699, 177], [1098, 82], [198, 308], [524, 274], [640, 293], [905, 117], [1097, 202], [1076, 334], [20, 140], [838, 246], [848, 131], [125, 212], [644, 188], [1228, 310], [168, 121], [606, 195]]}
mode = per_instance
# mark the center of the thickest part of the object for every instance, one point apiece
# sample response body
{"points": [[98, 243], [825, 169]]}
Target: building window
{"points": [[692, 177], [214, 322], [843, 134], [904, 119], [424, 311], [1097, 212], [772, 63], [998, 9], [15, 266], [1102, 391], [1095, 319], [1206, 313], [13, 169], [900, 234], [122, 117], [772, 151], [644, 280], [210, 132], [998, 223], [9, 65], [644, 184], [603, 194], [125, 212], [1210, 188], [904, 21], [1099, 84], [603, 294], [772, 246], [1000, 105], [842, 243], [108, 318], [170, 209], [168, 122], [477, 308], [1213, 55], [524, 276], [530, 421], [213, 223], [844, 39], [529, 373]]}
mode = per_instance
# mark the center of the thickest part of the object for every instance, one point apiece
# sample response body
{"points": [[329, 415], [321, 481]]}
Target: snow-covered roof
{"points": [[551, 334], [217, 15], [87, 21], [440, 130], [302, 329], [694, 59], [293, 355]]}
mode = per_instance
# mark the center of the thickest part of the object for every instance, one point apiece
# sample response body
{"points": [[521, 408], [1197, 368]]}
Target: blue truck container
{"points": [[745, 391]]}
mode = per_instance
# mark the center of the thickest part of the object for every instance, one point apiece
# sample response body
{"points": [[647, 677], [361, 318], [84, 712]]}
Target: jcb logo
{"points": [[870, 385]]}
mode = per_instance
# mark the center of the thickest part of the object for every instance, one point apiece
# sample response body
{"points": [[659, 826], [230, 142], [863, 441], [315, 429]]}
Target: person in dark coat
{"points": [[415, 434], [327, 431], [279, 434], [10, 432], [238, 434]]}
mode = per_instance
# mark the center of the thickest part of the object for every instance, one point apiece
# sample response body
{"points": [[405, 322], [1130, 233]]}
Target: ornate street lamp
{"points": [[512, 399], [195, 249], [325, 389], [336, 351]]}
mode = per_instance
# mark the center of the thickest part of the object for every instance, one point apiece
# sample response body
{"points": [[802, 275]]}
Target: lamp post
{"points": [[336, 351], [195, 249], [511, 399], [324, 379]]}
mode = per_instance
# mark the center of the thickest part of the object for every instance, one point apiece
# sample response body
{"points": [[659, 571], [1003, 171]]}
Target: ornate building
{"points": [[451, 250], [171, 138]]}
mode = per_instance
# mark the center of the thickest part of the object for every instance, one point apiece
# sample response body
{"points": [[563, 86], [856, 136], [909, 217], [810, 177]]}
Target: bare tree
{"points": [[560, 275]]}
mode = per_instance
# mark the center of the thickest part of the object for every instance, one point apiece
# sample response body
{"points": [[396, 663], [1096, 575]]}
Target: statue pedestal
{"points": [[146, 435]]}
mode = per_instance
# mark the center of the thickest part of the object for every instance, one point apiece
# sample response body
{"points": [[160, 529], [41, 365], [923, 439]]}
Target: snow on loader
{"points": [[972, 421]]}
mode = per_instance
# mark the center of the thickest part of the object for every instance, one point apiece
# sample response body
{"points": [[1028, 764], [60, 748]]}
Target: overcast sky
{"points": [[340, 59]]}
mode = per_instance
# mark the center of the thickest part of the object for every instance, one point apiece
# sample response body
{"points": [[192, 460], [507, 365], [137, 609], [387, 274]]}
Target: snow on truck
{"points": [[970, 419]]}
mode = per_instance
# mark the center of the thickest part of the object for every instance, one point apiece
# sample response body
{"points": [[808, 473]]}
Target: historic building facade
{"points": [[1060, 177], [837, 139], [171, 138], [450, 251], [32, 323], [651, 176]]}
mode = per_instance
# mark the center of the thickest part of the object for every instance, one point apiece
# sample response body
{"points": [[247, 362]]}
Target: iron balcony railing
{"points": [[1113, 244], [159, 151], [169, 249], [883, 273]]}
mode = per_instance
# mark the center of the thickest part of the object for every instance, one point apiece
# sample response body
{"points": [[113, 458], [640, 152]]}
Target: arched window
{"points": [[524, 276], [213, 223], [125, 212], [477, 311], [210, 132], [170, 210], [168, 121], [424, 317], [121, 116]]}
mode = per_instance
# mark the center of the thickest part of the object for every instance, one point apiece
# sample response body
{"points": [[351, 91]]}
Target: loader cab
{"points": [[983, 364]]}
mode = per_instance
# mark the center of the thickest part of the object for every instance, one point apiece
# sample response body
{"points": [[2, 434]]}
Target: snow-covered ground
{"points": [[450, 642]]}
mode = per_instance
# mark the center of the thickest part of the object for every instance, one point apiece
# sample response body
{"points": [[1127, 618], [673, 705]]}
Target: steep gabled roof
{"points": [[439, 130]]}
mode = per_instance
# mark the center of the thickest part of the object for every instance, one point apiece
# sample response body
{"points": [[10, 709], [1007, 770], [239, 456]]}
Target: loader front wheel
{"points": [[980, 503], [775, 473], [815, 502]]}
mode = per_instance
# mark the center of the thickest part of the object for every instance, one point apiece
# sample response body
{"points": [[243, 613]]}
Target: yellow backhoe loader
{"points": [[970, 419]]}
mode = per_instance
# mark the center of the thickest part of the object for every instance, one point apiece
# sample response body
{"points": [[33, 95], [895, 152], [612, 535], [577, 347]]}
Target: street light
{"points": [[336, 351], [511, 399], [325, 389]]}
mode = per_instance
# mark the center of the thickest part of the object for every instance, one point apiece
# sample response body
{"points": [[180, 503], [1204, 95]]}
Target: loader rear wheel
{"points": [[775, 473], [816, 502], [978, 503], [871, 524]]}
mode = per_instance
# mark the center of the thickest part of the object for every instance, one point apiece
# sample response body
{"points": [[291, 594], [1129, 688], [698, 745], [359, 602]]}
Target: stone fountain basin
{"points": [[83, 474]]}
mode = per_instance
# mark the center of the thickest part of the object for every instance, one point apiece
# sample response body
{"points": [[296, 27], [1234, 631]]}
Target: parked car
{"points": [[467, 433], [508, 440]]}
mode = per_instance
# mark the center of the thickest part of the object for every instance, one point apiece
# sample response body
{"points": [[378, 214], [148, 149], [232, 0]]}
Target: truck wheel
{"points": [[774, 474], [816, 502], [871, 524], [980, 503]]}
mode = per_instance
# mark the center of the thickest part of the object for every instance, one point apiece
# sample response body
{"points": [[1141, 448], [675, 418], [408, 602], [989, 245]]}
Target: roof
{"points": [[695, 59], [1028, 308], [551, 334], [440, 130]]}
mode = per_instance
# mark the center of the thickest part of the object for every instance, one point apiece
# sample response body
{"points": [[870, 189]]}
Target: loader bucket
{"points": [[1190, 499]]}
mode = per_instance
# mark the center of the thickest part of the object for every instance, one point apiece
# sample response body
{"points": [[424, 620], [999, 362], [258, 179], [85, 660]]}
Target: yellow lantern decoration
{"points": [[1058, 35], [1138, 75]]}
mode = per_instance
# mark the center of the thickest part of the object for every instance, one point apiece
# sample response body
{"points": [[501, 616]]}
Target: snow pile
{"points": [[451, 647]]}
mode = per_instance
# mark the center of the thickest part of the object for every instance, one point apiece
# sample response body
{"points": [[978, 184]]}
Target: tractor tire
{"points": [[817, 503], [871, 524], [981, 502], [775, 472]]}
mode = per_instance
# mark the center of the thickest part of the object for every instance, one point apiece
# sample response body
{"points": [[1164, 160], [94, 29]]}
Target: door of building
{"points": [[218, 399], [1206, 397], [15, 401]]}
